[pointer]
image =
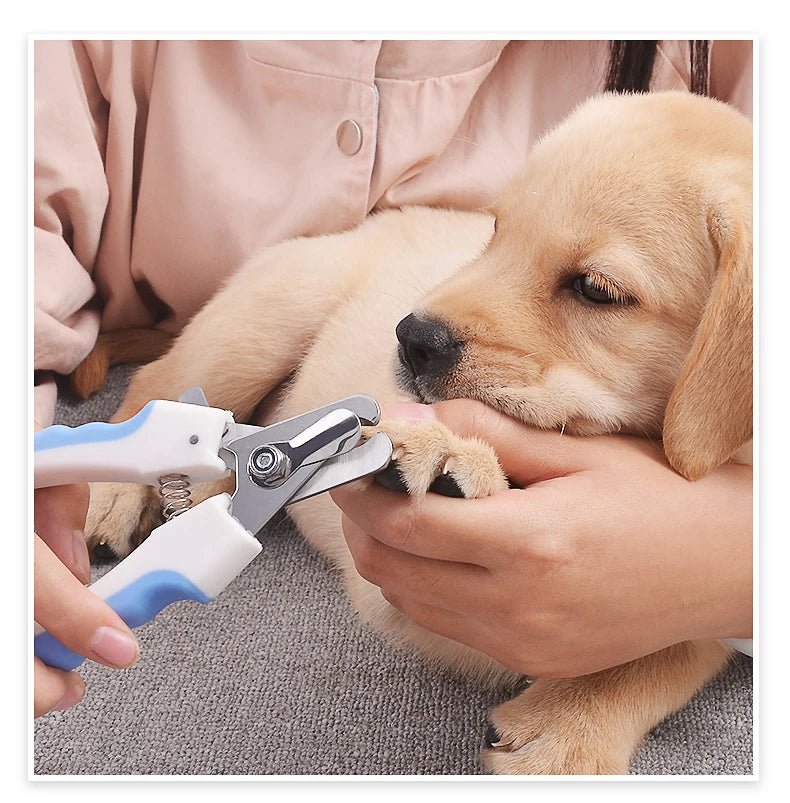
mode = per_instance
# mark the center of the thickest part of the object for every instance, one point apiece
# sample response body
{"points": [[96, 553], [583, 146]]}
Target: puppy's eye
{"points": [[599, 290]]}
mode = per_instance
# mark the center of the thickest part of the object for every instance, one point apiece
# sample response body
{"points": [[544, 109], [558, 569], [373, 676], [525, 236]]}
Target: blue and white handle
{"points": [[193, 556], [164, 437]]}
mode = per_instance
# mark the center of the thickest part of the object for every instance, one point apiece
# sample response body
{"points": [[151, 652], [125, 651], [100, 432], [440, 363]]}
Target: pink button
{"points": [[349, 137]]}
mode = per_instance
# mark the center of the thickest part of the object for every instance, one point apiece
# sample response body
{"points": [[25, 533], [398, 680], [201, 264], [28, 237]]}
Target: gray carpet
{"points": [[278, 677]]}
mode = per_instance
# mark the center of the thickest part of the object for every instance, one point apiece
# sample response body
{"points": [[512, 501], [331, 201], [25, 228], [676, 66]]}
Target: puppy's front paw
{"points": [[121, 516], [429, 457], [555, 728]]}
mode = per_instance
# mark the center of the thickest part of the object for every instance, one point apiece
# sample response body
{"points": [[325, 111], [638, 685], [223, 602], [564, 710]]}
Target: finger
{"points": [[455, 586], [54, 690], [59, 516], [527, 455], [439, 527], [75, 616]]}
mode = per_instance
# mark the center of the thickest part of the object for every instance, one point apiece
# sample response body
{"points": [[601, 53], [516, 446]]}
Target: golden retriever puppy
{"points": [[609, 289]]}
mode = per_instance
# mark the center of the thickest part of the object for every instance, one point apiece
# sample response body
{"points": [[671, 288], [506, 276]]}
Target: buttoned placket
{"points": [[357, 128]]}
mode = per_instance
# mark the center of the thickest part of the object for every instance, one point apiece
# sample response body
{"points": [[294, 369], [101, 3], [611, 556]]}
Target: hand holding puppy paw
{"points": [[600, 554]]}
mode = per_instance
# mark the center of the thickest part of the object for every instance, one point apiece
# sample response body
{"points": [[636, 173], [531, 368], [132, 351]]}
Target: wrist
{"points": [[729, 554]]}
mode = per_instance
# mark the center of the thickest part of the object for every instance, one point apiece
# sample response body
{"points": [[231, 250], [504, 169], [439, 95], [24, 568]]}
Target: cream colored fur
{"points": [[651, 193]]}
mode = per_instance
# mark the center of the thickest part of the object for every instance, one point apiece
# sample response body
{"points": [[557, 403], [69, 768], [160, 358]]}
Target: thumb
{"points": [[527, 455], [59, 519]]}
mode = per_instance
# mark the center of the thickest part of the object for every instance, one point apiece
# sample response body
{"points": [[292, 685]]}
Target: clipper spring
{"points": [[175, 494]]}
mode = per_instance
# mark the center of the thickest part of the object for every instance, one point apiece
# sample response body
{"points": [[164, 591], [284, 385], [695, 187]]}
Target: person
{"points": [[600, 554], [63, 605], [161, 165]]}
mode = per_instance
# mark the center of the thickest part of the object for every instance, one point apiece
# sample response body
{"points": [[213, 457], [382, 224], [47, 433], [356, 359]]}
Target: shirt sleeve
{"points": [[732, 73], [70, 198]]}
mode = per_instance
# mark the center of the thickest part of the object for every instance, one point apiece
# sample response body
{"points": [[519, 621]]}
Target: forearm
{"points": [[64, 327], [70, 202], [726, 517]]}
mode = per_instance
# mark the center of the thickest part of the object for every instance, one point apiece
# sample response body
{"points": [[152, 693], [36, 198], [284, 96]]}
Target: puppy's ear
{"points": [[709, 414]]}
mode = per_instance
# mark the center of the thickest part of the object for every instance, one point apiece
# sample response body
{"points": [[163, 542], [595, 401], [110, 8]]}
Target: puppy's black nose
{"points": [[427, 347]]}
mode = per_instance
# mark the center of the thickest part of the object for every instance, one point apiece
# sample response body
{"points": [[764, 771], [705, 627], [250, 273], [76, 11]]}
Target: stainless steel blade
{"points": [[363, 406], [369, 458], [264, 486], [194, 396], [330, 436], [254, 506]]}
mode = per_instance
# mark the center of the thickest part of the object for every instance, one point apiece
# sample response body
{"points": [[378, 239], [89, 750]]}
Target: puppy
{"points": [[609, 289]]}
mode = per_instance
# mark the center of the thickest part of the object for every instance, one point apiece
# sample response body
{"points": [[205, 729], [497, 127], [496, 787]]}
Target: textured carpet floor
{"points": [[278, 677]]}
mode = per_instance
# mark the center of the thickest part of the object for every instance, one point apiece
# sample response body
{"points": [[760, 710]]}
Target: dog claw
{"points": [[449, 465], [492, 737]]}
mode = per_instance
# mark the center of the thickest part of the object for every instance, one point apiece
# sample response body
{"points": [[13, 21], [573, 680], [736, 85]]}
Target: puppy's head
{"points": [[615, 294]]}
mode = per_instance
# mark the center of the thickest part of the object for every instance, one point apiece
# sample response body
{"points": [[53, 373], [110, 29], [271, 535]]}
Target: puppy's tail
{"points": [[114, 348]]}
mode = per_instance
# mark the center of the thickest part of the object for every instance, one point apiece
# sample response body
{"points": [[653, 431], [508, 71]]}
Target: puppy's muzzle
{"points": [[427, 349]]}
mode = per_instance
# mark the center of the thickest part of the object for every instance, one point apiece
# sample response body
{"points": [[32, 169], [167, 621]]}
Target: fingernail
{"points": [[82, 563], [115, 647], [74, 694], [408, 411]]}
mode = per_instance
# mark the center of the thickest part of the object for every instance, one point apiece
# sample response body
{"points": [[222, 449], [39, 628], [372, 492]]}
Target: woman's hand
{"points": [[602, 553], [71, 613]]}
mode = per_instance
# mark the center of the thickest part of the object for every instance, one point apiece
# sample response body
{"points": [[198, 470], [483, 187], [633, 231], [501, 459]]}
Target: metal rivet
{"points": [[268, 466], [349, 137], [194, 439]]}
